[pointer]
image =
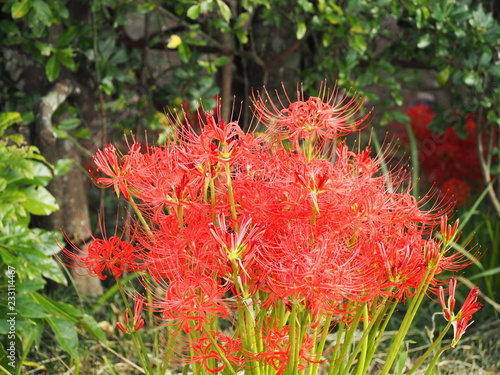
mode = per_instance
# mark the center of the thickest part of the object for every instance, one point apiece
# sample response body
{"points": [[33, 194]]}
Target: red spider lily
{"points": [[277, 349], [204, 350], [244, 226], [462, 319], [193, 301], [138, 321], [117, 167], [104, 255], [327, 117]]}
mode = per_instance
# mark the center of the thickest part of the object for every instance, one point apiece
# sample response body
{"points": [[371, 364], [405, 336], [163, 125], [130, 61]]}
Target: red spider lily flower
{"points": [[327, 117], [204, 350], [277, 349], [138, 321], [104, 255], [193, 301], [117, 167], [462, 319]]}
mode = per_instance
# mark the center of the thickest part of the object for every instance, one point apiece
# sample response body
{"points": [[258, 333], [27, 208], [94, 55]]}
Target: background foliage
{"points": [[129, 60]]}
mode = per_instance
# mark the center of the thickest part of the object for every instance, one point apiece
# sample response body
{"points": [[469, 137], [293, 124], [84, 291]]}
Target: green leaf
{"points": [[444, 76], [45, 48], [8, 119], [301, 30], [424, 41], [39, 201], [69, 123], [225, 11], [42, 12], [63, 166], [184, 52], [67, 36], [20, 8], [52, 271], [52, 68], [66, 335], [29, 308], [494, 70], [193, 11]]}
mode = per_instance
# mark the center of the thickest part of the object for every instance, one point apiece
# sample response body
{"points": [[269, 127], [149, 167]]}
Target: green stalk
{"points": [[219, 350], [229, 182], [294, 355], [364, 343], [379, 336], [407, 320], [332, 367], [435, 359], [430, 350], [320, 346], [347, 340]]}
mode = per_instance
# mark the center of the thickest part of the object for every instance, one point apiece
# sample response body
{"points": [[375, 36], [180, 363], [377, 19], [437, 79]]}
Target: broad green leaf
{"points": [[52, 271], [52, 68], [39, 201], [45, 48], [193, 11], [184, 52], [42, 12], [20, 8], [29, 286], [301, 30], [24, 167], [29, 308], [67, 36], [225, 11], [3, 184], [66, 334], [7, 119], [71, 314], [69, 123], [63, 166]]}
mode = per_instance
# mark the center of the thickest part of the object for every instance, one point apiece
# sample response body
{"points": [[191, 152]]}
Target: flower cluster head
{"points": [[288, 220], [442, 157]]}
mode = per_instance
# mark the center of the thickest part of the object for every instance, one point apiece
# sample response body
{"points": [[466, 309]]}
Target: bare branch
{"points": [[46, 107]]}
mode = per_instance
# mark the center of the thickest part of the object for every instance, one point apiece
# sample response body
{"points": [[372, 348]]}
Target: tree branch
{"points": [[46, 107]]}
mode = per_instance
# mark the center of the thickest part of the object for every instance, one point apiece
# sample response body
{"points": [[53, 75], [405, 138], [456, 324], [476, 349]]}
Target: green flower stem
{"points": [[365, 342], [435, 359], [430, 350], [320, 346], [219, 350], [347, 342], [143, 221], [293, 339], [340, 333], [171, 346], [230, 193], [407, 321], [379, 334]]}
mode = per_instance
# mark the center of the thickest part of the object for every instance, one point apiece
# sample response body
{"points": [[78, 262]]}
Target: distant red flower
{"points": [[104, 255], [457, 190]]}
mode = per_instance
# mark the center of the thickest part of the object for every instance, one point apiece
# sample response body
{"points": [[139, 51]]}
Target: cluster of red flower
{"points": [[232, 221], [447, 161]]}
